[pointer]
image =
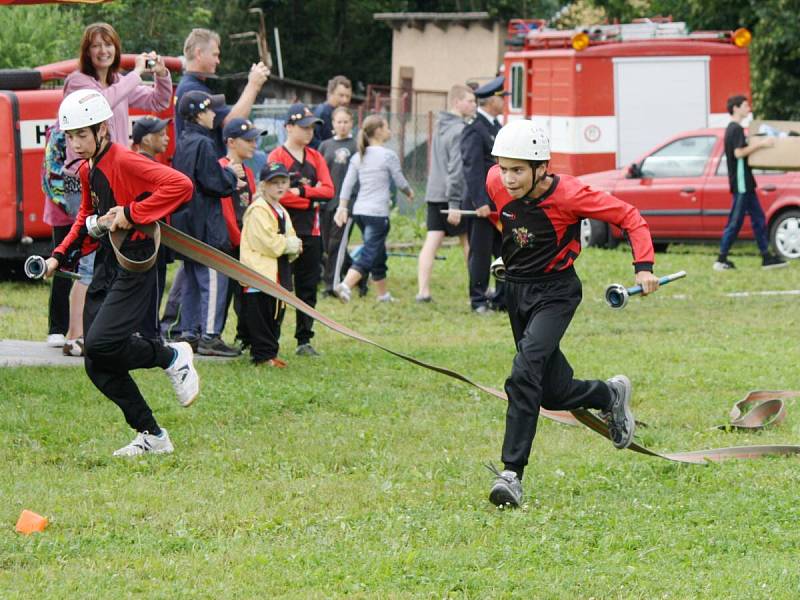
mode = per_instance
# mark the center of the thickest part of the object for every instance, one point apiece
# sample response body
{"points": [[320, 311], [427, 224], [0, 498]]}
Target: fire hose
{"points": [[204, 254]]}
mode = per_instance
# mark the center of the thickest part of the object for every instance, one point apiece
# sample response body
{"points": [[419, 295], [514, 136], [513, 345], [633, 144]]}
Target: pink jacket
{"points": [[127, 90]]}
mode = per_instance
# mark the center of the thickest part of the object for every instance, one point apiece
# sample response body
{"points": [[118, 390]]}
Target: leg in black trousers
{"points": [[306, 278], [541, 376], [265, 320], [111, 315], [58, 309], [481, 244]]}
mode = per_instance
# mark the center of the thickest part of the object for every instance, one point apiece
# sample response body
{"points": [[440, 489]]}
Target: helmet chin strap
{"points": [[95, 129], [536, 182]]}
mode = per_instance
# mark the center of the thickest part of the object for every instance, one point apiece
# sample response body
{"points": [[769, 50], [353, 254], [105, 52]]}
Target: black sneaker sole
{"points": [[775, 266], [502, 496], [626, 404]]}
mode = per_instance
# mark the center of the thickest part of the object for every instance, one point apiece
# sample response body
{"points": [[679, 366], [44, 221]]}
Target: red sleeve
{"points": [[289, 200], [169, 188], [324, 188], [586, 203], [228, 213], [497, 194]]}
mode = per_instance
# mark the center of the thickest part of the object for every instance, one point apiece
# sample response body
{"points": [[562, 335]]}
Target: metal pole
{"points": [[278, 52]]}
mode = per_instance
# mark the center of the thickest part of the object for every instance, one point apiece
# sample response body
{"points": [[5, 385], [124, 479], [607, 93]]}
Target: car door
{"points": [[717, 198], [668, 187]]}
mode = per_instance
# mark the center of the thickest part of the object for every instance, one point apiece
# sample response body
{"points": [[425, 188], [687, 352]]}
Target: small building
{"points": [[433, 51]]}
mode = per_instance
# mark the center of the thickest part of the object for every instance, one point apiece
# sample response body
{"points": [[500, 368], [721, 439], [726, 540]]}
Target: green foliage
{"points": [[356, 475], [36, 35]]}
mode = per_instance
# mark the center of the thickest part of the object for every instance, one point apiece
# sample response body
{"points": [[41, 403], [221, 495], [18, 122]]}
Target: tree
{"points": [[27, 39]]}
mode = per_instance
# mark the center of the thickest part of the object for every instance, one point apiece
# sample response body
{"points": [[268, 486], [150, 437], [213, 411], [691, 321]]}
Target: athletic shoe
{"points": [[145, 443], [182, 373], [387, 297], [506, 488], [216, 347], [193, 341], [481, 309], [306, 350], [363, 287], [273, 362], [56, 340], [423, 299], [343, 292], [73, 347], [770, 261], [724, 265], [621, 425]]}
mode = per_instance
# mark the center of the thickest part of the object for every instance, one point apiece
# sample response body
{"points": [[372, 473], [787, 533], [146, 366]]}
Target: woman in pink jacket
{"points": [[98, 69]]}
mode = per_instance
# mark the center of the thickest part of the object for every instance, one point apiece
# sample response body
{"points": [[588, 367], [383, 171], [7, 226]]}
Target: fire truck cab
{"points": [[608, 94]]}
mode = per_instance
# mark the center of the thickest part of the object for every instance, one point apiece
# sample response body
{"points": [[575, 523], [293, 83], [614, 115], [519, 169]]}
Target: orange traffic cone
{"points": [[29, 522]]}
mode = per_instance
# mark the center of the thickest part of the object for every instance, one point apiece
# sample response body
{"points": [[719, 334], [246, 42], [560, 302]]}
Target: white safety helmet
{"points": [[83, 108], [522, 140]]}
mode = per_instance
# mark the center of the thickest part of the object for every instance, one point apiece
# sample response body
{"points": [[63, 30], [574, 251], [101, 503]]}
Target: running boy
{"points": [[540, 215], [269, 244], [310, 183], [122, 188]]}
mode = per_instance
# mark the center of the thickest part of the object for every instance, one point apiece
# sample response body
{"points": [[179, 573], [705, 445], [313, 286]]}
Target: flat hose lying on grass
{"points": [[772, 401]]}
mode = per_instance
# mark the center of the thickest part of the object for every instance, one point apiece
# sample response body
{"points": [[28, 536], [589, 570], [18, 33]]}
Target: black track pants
{"points": [[58, 313], [484, 244], [116, 304], [264, 318], [306, 272], [541, 376]]}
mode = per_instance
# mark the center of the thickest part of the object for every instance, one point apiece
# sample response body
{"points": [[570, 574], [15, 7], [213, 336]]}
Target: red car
{"points": [[681, 188]]}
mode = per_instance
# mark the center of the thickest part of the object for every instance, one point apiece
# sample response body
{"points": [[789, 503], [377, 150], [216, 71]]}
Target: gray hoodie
{"points": [[446, 177]]}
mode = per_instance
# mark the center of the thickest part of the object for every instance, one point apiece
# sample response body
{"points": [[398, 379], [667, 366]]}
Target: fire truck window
{"points": [[686, 157], [517, 86]]}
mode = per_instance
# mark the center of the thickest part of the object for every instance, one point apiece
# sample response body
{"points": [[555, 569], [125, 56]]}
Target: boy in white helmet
{"points": [[540, 215], [121, 188]]}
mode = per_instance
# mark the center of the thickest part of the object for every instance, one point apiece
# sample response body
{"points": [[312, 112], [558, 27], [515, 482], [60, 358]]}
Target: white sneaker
{"points": [[182, 373], [387, 297], [56, 340], [343, 292], [145, 442]]}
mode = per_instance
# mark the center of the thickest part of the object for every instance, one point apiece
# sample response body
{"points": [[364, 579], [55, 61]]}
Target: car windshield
{"points": [[686, 157]]}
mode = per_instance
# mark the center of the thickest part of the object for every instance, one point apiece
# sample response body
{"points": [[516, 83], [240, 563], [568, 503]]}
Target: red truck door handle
{"points": [[769, 187], [688, 190]]}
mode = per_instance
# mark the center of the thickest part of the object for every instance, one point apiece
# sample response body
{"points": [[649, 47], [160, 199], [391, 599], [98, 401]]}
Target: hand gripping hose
{"points": [[219, 261]]}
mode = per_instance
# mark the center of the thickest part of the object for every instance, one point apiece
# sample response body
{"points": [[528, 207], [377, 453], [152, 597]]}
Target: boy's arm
{"points": [[590, 204], [210, 176], [454, 184], [323, 191], [170, 188]]}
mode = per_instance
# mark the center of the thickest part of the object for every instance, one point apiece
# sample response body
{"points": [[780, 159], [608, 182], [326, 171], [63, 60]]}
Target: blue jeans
{"points": [[372, 258], [203, 302], [745, 204]]}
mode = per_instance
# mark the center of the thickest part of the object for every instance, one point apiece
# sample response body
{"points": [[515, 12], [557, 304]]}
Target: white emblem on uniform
{"points": [[342, 156]]}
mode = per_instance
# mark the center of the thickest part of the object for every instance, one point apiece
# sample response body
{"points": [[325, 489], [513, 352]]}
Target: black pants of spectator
{"points": [[484, 245], [306, 276], [116, 304], [170, 322], [58, 309], [265, 316], [151, 326], [331, 240], [540, 313]]}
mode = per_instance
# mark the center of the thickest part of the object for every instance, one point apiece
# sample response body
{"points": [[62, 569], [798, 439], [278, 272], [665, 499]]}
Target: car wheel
{"points": [[593, 233], [785, 234]]}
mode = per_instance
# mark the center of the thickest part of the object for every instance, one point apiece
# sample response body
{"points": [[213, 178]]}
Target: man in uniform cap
{"points": [[477, 140]]}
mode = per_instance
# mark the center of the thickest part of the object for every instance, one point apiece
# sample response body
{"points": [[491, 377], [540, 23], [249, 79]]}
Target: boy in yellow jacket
{"points": [[268, 245]]}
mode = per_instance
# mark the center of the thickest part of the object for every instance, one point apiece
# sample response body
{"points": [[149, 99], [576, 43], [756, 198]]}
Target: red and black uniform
{"points": [[119, 301], [233, 208], [540, 244], [304, 213]]}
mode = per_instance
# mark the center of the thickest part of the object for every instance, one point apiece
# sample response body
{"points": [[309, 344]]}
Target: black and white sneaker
{"points": [[182, 374], [621, 424], [724, 265], [770, 261], [146, 443], [506, 488]]}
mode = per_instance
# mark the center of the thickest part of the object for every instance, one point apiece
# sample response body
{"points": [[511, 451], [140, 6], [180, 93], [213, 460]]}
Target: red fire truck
{"points": [[26, 110], [608, 94]]}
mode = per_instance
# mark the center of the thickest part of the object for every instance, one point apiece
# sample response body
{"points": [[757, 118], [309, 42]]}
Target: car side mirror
{"points": [[634, 171]]}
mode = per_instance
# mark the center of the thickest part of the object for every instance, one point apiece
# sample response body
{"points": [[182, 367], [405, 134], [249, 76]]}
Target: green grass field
{"points": [[359, 475]]}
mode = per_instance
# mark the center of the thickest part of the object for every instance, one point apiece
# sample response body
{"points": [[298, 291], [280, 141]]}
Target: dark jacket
{"points": [[477, 140], [196, 157]]}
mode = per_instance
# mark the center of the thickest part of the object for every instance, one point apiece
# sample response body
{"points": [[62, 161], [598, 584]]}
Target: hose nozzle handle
{"points": [[617, 294]]}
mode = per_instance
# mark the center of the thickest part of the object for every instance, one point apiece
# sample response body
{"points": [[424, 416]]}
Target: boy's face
{"points": [[156, 142], [82, 141], [242, 148], [517, 176], [301, 136], [466, 106], [276, 187], [206, 118], [342, 124]]}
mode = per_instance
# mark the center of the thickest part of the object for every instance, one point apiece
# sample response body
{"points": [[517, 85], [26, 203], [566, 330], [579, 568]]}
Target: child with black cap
{"points": [[310, 183], [269, 244], [204, 300], [150, 135]]}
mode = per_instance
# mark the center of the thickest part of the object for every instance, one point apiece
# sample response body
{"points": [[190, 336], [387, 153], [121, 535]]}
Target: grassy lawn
{"points": [[356, 474]]}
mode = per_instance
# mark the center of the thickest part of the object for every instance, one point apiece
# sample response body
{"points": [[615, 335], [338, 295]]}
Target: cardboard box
{"points": [[784, 155]]}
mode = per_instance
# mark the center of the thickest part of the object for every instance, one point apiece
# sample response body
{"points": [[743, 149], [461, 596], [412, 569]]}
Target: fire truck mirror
{"points": [[634, 171]]}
